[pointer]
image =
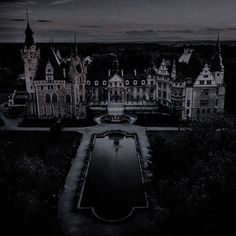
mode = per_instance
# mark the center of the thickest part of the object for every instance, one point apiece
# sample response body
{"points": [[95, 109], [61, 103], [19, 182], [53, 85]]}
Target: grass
{"points": [[33, 168]]}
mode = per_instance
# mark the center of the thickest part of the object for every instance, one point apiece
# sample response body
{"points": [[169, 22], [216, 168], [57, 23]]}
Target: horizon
{"points": [[119, 21]]}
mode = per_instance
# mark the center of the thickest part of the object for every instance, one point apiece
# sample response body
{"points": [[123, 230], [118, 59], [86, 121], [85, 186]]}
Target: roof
{"points": [[185, 57], [49, 55]]}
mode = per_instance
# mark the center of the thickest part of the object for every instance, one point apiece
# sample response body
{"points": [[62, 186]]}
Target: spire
{"points": [[29, 39], [75, 42], [216, 61], [217, 47]]}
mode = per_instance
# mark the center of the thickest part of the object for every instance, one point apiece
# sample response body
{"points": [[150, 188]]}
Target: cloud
{"points": [[17, 19], [149, 31], [57, 2], [89, 26], [44, 21]]}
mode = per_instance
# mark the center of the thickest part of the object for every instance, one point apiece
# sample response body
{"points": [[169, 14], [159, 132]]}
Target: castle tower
{"points": [[78, 70], [30, 55], [217, 65]]}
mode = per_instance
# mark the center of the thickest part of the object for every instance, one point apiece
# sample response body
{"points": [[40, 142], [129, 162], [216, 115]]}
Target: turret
{"points": [[30, 55], [217, 66]]}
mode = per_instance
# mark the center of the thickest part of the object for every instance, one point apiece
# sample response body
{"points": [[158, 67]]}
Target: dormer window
{"points": [[88, 82], [104, 82], [143, 82], [135, 82], [127, 82], [96, 82]]}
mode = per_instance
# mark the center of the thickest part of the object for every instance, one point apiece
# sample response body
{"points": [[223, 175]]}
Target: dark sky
{"points": [[119, 20]]}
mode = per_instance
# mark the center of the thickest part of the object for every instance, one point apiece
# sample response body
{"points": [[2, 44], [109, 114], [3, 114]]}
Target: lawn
{"points": [[33, 168]]}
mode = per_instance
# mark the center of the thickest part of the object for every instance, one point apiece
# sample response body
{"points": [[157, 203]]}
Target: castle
{"points": [[62, 87]]}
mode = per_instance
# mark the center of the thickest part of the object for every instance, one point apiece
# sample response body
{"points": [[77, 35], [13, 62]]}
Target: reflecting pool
{"points": [[113, 187]]}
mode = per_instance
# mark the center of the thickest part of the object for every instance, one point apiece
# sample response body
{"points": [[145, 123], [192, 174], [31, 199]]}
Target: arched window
{"points": [[54, 98], [48, 97], [68, 99]]}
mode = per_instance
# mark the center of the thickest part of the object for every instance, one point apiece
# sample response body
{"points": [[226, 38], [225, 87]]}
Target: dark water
{"points": [[114, 185]]}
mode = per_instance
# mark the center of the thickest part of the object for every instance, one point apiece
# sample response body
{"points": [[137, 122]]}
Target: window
{"points": [[188, 103], [30, 77], [201, 82], [164, 85], [203, 103], [187, 111], [135, 82], [127, 82], [152, 82], [159, 93], [58, 87], [54, 98], [143, 82], [159, 84], [48, 97], [68, 99], [216, 102], [41, 87], [48, 87], [208, 82], [198, 111], [208, 110], [96, 82], [203, 111], [104, 82], [164, 94], [49, 70], [51, 87], [88, 82]]}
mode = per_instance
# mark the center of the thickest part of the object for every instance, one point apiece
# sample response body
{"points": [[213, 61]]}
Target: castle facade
{"points": [[62, 88]]}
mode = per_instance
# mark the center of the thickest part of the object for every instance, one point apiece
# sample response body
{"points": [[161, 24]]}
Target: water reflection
{"points": [[113, 184]]}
